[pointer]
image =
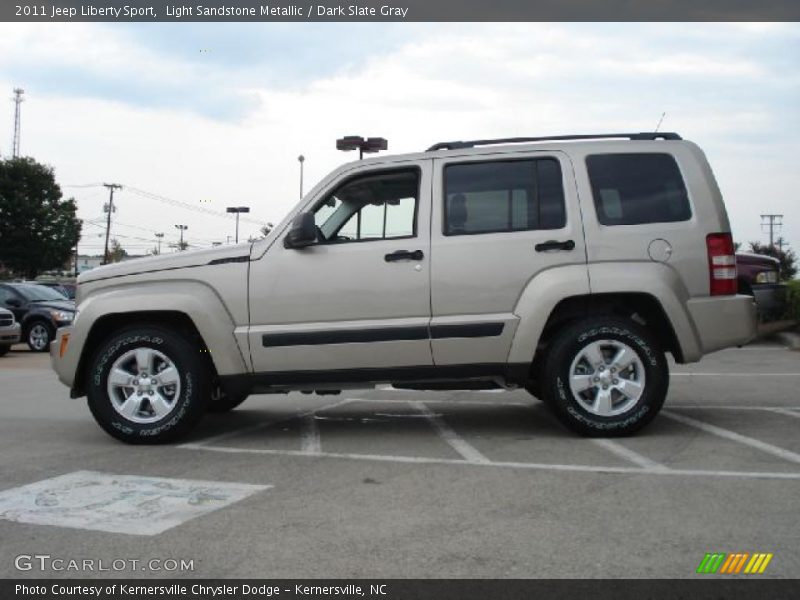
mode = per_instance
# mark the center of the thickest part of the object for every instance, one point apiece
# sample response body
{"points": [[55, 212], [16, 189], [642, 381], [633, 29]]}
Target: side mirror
{"points": [[15, 302], [302, 233]]}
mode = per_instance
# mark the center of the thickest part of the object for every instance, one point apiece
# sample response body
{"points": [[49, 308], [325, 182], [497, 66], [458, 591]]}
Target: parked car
{"points": [[759, 276], [566, 266], [40, 311], [65, 288], [9, 331]]}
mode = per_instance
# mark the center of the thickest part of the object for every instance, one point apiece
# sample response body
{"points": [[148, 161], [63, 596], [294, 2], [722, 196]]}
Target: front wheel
{"points": [[39, 335], [606, 377], [148, 385]]}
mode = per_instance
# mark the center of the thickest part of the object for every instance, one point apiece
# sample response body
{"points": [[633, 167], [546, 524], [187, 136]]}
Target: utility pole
{"points": [[111, 187], [182, 229], [774, 222], [301, 159], [18, 99], [159, 237], [780, 242]]}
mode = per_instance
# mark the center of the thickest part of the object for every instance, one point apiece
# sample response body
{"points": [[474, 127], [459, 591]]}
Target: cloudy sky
{"points": [[204, 116]]}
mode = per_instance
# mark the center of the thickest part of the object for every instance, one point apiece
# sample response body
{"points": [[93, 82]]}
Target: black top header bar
{"points": [[397, 10]]}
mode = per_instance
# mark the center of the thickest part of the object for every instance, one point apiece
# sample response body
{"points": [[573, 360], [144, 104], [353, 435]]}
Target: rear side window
{"points": [[632, 189], [501, 196]]}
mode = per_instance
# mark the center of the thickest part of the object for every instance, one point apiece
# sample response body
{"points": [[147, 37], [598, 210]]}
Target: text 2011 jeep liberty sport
{"points": [[568, 266]]}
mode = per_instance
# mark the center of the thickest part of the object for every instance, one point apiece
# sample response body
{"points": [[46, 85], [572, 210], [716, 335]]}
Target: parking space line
{"points": [[689, 374], [448, 402], [629, 455], [502, 464], [310, 440], [729, 407], [456, 442], [786, 411], [263, 425], [734, 437]]}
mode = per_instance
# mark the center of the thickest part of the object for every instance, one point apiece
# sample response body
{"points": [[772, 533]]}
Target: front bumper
{"points": [[770, 298], [10, 334], [64, 362], [724, 321]]}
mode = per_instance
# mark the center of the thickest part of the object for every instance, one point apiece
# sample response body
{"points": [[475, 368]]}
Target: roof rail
{"points": [[652, 135]]}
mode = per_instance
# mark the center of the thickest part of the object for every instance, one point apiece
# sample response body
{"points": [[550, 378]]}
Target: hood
{"points": [[64, 304], [746, 258], [163, 262]]}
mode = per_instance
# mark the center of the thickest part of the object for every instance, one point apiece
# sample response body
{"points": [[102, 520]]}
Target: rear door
{"points": [[498, 221]]}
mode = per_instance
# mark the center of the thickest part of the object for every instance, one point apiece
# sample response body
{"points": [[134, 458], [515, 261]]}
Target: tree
{"points": [[38, 230], [787, 257], [116, 252]]}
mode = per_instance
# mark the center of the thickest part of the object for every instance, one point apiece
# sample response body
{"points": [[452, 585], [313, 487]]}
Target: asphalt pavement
{"points": [[387, 483]]}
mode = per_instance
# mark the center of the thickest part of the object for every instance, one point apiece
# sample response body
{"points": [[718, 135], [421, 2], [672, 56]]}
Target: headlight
{"points": [[767, 277], [62, 315]]}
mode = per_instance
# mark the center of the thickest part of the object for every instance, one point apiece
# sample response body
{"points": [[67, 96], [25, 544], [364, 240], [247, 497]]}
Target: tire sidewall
{"points": [[656, 379], [190, 403]]}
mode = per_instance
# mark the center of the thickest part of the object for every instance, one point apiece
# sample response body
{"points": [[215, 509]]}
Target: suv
{"points": [[9, 331], [567, 266], [39, 309]]}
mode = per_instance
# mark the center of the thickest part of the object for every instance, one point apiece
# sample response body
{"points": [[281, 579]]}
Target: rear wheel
{"points": [[39, 334], [605, 376], [148, 385]]}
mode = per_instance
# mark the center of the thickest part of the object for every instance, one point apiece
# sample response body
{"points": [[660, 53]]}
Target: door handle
{"points": [[404, 255], [554, 245]]}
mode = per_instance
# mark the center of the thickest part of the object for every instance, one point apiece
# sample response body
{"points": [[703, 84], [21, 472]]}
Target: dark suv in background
{"points": [[759, 276], [40, 310]]}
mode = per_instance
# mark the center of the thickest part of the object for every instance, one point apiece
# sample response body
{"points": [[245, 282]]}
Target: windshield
{"points": [[38, 293]]}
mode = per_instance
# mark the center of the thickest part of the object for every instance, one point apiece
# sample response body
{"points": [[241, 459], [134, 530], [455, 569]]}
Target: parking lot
{"points": [[389, 483]]}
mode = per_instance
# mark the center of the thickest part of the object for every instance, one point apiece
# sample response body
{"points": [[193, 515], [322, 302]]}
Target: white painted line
{"points": [[469, 452], [504, 464], [762, 375], [310, 441], [630, 455], [786, 411], [447, 402], [728, 407], [118, 503], [735, 437], [263, 424]]}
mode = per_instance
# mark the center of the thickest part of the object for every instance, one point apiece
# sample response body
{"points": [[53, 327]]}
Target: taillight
{"points": [[721, 264]]}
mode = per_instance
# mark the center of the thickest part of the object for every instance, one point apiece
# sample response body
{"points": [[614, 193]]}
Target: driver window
{"points": [[371, 207]]}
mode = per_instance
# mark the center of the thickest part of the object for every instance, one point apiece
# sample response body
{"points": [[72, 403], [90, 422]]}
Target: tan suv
{"points": [[568, 266]]}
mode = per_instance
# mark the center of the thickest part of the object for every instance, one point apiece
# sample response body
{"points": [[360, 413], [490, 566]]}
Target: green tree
{"points": [[38, 230], [787, 257], [115, 251]]}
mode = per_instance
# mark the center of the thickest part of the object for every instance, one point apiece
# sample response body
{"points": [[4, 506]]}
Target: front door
{"points": [[360, 297]]}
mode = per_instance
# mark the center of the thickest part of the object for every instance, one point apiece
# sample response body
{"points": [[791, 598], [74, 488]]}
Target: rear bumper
{"points": [[723, 321], [10, 334]]}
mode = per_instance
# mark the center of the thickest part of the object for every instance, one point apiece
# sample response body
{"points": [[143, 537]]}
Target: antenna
{"points": [[18, 99], [660, 121]]}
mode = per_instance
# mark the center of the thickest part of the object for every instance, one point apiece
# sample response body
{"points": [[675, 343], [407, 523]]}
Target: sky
{"points": [[193, 117]]}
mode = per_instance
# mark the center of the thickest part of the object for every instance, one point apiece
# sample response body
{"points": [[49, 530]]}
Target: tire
{"points": [[632, 395], [38, 335], [222, 402], [148, 410], [4, 350]]}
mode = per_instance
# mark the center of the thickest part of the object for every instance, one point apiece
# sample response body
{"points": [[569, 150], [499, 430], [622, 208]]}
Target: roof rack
{"points": [[652, 135]]}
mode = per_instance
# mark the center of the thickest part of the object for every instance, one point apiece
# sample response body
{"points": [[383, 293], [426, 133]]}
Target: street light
{"points": [[301, 159], [238, 210], [356, 142], [182, 228], [159, 236]]}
